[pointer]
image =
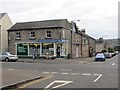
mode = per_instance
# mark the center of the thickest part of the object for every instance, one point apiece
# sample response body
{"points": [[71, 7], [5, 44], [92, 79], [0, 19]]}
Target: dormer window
{"points": [[32, 34]]}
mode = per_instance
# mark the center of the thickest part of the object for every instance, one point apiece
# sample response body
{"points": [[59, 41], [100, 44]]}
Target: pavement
{"points": [[58, 60]]}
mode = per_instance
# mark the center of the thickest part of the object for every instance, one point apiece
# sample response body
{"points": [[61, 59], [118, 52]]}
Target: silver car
{"points": [[7, 56], [100, 57]]}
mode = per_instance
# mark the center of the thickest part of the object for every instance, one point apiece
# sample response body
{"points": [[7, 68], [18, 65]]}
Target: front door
{"points": [[77, 52], [58, 52]]}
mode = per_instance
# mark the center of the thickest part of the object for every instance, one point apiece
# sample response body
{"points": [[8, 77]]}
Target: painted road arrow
{"points": [[57, 83]]}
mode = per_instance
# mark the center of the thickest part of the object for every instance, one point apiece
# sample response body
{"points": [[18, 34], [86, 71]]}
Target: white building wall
{"points": [[5, 25]]}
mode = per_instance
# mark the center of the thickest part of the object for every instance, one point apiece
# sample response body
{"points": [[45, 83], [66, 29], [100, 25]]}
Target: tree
{"points": [[110, 49]]}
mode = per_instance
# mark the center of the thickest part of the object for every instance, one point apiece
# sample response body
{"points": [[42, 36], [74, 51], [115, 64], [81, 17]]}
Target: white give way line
{"points": [[85, 74]]}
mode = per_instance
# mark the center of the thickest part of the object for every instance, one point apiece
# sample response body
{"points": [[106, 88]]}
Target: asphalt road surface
{"points": [[77, 75]]}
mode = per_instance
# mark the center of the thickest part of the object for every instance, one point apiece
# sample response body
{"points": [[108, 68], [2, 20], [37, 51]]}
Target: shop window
{"points": [[32, 35], [34, 48], [48, 34], [22, 49], [18, 35], [47, 48]]}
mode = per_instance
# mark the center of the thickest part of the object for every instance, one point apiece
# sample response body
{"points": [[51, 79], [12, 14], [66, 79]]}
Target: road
{"points": [[75, 75]]}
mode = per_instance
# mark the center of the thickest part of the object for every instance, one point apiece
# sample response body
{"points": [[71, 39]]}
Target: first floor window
{"points": [[18, 35], [48, 34], [32, 35]]}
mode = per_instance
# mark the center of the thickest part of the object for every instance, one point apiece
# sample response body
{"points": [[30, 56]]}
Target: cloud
{"points": [[97, 16]]}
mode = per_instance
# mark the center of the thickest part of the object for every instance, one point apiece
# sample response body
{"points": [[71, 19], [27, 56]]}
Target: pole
{"points": [[71, 44]]}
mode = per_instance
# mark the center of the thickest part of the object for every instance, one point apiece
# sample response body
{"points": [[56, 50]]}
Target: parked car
{"points": [[108, 55], [100, 57], [7, 56], [116, 52]]}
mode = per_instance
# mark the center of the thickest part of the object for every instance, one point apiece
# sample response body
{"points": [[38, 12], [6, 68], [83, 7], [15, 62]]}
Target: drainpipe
{"points": [[89, 46], [94, 48], [81, 45], [71, 44]]}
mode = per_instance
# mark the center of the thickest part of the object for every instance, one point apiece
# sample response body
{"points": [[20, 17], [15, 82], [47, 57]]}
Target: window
{"points": [[85, 41], [47, 48], [18, 35], [34, 48], [78, 38], [48, 34], [32, 35]]}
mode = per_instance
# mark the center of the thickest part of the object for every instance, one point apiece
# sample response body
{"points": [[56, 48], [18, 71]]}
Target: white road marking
{"points": [[65, 69], [10, 69], [75, 73], [98, 78], [113, 64], [58, 81], [54, 72], [87, 74], [64, 73], [96, 74], [45, 72]]}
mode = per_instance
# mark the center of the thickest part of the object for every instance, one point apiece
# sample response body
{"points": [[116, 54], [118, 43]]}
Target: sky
{"points": [[98, 17]]}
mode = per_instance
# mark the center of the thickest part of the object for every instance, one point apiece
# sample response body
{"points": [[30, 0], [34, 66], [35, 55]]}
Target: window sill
{"points": [[32, 37], [48, 37], [18, 38]]}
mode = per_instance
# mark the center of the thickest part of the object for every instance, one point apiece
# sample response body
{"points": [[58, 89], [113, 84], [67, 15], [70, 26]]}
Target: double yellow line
{"points": [[35, 81]]}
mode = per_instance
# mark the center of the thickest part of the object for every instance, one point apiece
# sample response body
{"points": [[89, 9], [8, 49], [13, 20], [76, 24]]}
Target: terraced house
{"points": [[58, 38]]}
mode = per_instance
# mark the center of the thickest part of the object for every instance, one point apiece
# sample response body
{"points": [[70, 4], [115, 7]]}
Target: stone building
{"points": [[60, 38], [104, 44]]}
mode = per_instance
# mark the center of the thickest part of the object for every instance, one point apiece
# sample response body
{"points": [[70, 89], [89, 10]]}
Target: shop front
{"points": [[53, 47]]}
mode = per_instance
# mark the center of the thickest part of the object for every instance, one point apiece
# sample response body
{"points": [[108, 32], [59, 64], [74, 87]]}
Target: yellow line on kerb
{"points": [[33, 82]]}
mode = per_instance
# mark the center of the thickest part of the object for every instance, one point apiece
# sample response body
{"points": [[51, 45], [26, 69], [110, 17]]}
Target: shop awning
{"points": [[52, 40]]}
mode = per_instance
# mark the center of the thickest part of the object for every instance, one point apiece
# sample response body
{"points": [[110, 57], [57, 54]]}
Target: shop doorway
{"points": [[58, 52]]}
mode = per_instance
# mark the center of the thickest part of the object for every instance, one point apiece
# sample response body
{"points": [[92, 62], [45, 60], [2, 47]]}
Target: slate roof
{"points": [[40, 24], [1, 15]]}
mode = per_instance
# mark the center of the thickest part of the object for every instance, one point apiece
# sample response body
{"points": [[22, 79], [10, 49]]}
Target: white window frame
{"points": [[85, 41], [18, 35], [32, 35], [63, 34], [48, 34]]}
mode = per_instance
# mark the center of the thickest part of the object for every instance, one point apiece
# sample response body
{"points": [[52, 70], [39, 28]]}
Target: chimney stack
{"points": [[83, 30]]}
